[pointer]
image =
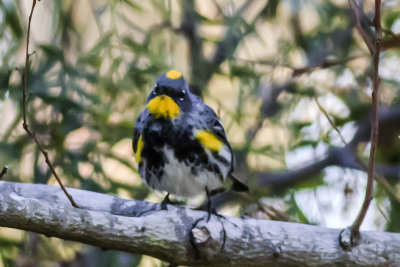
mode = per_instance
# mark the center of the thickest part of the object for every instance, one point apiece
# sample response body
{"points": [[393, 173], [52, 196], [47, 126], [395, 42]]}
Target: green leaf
{"points": [[12, 20], [134, 46], [132, 5], [91, 59], [4, 79], [89, 184], [242, 71], [53, 52], [389, 18], [304, 143], [312, 183], [269, 11], [103, 43], [296, 211]]}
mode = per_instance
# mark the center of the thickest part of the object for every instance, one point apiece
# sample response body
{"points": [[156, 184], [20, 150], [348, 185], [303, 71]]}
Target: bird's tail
{"points": [[238, 185]]}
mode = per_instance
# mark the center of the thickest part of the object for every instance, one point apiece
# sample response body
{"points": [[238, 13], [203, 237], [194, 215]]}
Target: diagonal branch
{"points": [[355, 228], [338, 156], [297, 71], [356, 161], [232, 37], [202, 69], [189, 29], [181, 235], [25, 123], [363, 24]]}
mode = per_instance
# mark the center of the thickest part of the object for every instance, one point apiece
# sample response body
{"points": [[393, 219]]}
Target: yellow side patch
{"points": [[209, 140], [163, 107], [139, 148], [173, 74]]}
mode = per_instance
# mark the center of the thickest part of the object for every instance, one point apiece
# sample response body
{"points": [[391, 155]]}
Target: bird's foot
{"points": [[211, 210], [167, 201]]}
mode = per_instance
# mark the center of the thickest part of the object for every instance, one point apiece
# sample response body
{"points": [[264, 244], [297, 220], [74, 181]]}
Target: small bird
{"points": [[180, 144]]}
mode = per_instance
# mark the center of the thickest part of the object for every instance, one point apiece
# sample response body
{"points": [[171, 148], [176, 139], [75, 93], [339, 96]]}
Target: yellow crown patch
{"points": [[173, 74], [163, 107]]}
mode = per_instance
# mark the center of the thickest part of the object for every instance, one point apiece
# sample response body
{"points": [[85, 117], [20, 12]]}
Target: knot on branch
{"points": [[209, 237], [348, 238]]}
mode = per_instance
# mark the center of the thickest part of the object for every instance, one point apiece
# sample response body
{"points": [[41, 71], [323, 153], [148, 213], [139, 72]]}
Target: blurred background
{"points": [[290, 79]]}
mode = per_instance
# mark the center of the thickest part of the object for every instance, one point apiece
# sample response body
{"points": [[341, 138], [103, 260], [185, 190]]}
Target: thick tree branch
{"points": [[181, 235]]}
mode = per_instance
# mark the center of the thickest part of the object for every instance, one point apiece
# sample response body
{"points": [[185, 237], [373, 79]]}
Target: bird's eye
{"points": [[157, 90], [181, 95]]}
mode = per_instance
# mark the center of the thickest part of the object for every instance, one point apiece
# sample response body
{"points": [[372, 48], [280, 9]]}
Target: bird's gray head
{"points": [[170, 96]]}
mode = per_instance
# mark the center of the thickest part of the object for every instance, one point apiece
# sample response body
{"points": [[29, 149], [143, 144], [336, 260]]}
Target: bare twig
{"points": [[363, 24], [341, 156], [229, 43], [189, 28], [379, 178], [355, 229], [382, 213], [324, 64], [3, 172], [393, 42], [330, 120], [25, 124]]}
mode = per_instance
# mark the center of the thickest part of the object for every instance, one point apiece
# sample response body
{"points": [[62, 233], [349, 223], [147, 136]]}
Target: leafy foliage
{"points": [[260, 66]]}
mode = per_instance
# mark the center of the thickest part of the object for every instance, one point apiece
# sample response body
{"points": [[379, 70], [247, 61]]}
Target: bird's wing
{"points": [[215, 126], [137, 129]]}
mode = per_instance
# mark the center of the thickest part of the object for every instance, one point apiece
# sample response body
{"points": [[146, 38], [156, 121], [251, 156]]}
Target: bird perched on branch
{"points": [[180, 144]]}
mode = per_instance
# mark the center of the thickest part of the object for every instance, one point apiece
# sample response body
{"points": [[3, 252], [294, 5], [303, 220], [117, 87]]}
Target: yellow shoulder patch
{"points": [[139, 148], [208, 140], [173, 74], [163, 107]]}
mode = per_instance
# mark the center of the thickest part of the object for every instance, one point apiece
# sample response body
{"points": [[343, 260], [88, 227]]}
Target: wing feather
{"points": [[215, 126], [137, 130]]}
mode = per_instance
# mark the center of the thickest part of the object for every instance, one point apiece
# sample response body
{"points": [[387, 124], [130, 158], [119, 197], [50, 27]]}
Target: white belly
{"points": [[178, 178]]}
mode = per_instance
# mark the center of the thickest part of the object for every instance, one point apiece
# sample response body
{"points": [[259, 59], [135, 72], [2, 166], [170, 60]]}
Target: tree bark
{"points": [[183, 236]]}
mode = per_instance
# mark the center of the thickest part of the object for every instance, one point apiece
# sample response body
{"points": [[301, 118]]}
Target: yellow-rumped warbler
{"points": [[180, 144]]}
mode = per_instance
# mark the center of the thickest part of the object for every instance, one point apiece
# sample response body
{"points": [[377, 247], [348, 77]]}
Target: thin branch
{"points": [[232, 37], [363, 24], [389, 43], [382, 212], [355, 229], [25, 124], [3, 172], [325, 64], [203, 69], [330, 120], [189, 28], [339, 156], [364, 167]]}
